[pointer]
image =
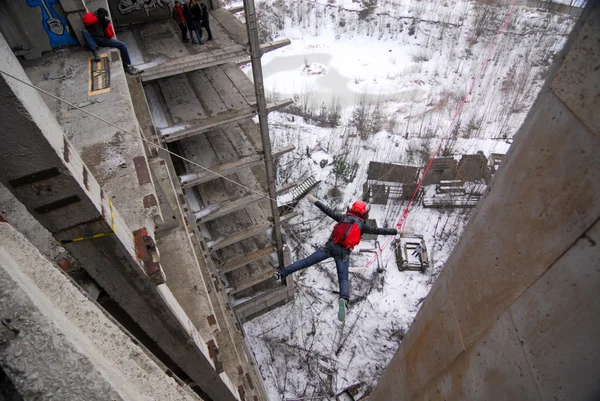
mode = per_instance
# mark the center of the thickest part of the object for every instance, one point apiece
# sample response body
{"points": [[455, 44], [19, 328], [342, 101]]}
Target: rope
{"points": [[135, 135], [406, 211]]}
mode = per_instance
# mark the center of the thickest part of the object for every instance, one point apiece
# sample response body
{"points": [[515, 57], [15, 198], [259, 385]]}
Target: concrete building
{"points": [[515, 313], [125, 271], [176, 252]]}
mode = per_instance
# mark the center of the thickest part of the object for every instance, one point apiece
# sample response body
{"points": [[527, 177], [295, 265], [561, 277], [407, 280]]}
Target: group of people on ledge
{"points": [[192, 18], [99, 31]]}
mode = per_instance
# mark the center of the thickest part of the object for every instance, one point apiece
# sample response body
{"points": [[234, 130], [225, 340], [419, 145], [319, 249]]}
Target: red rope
{"points": [[404, 216]]}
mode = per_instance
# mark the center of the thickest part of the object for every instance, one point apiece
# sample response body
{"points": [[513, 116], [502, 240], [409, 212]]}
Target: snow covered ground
{"points": [[408, 64]]}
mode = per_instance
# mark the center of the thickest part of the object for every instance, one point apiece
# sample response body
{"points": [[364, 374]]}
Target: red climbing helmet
{"points": [[359, 207]]}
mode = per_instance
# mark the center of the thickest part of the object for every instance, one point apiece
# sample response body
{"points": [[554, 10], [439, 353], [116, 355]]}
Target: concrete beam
{"points": [[239, 236], [193, 63], [186, 130], [232, 54], [46, 359], [216, 211], [243, 261], [517, 300], [190, 180], [235, 9], [41, 168], [249, 283]]}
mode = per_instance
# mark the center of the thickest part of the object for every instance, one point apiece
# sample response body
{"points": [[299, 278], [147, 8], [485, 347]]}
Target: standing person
{"points": [[418, 252], [205, 24], [345, 236], [197, 14], [191, 25], [100, 32], [180, 19]]}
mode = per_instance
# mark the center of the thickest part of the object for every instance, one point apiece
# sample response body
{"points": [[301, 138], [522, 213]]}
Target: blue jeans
{"points": [[198, 34], [331, 250], [93, 42]]}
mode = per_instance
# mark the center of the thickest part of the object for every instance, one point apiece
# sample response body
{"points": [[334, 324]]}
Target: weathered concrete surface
{"points": [[35, 143], [522, 283], [557, 323], [191, 274], [66, 347], [576, 83], [107, 151]]}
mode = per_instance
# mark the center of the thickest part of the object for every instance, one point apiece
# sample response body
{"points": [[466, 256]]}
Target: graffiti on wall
{"points": [[55, 25], [128, 6]]}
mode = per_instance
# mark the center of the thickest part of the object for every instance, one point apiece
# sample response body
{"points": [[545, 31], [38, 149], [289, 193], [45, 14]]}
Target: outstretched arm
{"points": [[325, 209], [367, 229]]}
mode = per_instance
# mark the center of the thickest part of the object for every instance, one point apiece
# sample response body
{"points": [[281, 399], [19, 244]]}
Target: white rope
{"points": [[136, 135]]}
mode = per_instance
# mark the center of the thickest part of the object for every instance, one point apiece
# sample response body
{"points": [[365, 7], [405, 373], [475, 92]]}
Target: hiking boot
{"points": [[275, 278], [342, 309]]}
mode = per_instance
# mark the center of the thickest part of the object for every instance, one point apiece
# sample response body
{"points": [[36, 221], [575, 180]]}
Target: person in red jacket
{"points": [[345, 236], [180, 19], [100, 32]]}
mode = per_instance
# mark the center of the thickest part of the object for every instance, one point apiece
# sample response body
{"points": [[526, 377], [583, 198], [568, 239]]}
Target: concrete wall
{"points": [[63, 346], [127, 12], [44, 172], [39, 24], [516, 312]]}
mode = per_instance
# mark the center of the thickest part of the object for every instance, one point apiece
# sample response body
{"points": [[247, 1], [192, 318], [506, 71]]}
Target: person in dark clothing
{"points": [[205, 23], [180, 19], [418, 252], [100, 32], [191, 25], [197, 14], [344, 237]]}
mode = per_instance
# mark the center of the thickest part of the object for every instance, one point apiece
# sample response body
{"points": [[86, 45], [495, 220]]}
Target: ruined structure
{"points": [[515, 312], [176, 251]]}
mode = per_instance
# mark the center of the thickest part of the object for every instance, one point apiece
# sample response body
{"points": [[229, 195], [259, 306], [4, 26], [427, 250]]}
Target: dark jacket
{"points": [[189, 19], [204, 16], [196, 12], [366, 229]]}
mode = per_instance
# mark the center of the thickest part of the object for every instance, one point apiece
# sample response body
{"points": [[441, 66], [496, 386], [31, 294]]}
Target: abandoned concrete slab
{"points": [[61, 331]]}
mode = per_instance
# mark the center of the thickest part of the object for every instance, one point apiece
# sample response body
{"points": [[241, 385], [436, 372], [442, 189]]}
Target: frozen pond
{"points": [[285, 76]]}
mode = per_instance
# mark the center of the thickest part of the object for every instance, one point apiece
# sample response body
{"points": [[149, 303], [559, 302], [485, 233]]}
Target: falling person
{"points": [[345, 236]]}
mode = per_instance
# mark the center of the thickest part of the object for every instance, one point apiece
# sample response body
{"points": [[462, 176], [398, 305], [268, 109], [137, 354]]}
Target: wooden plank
{"points": [[246, 259], [235, 28], [209, 98], [190, 180], [241, 81], [238, 139], [181, 99], [226, 89], [239, 236], [225, 208], [252, 133], [244, 285]]}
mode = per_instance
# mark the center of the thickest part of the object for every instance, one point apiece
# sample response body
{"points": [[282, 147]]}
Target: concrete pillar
{"points": [[74, 10], [59, 344], [43, 171], [516, 312]]}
